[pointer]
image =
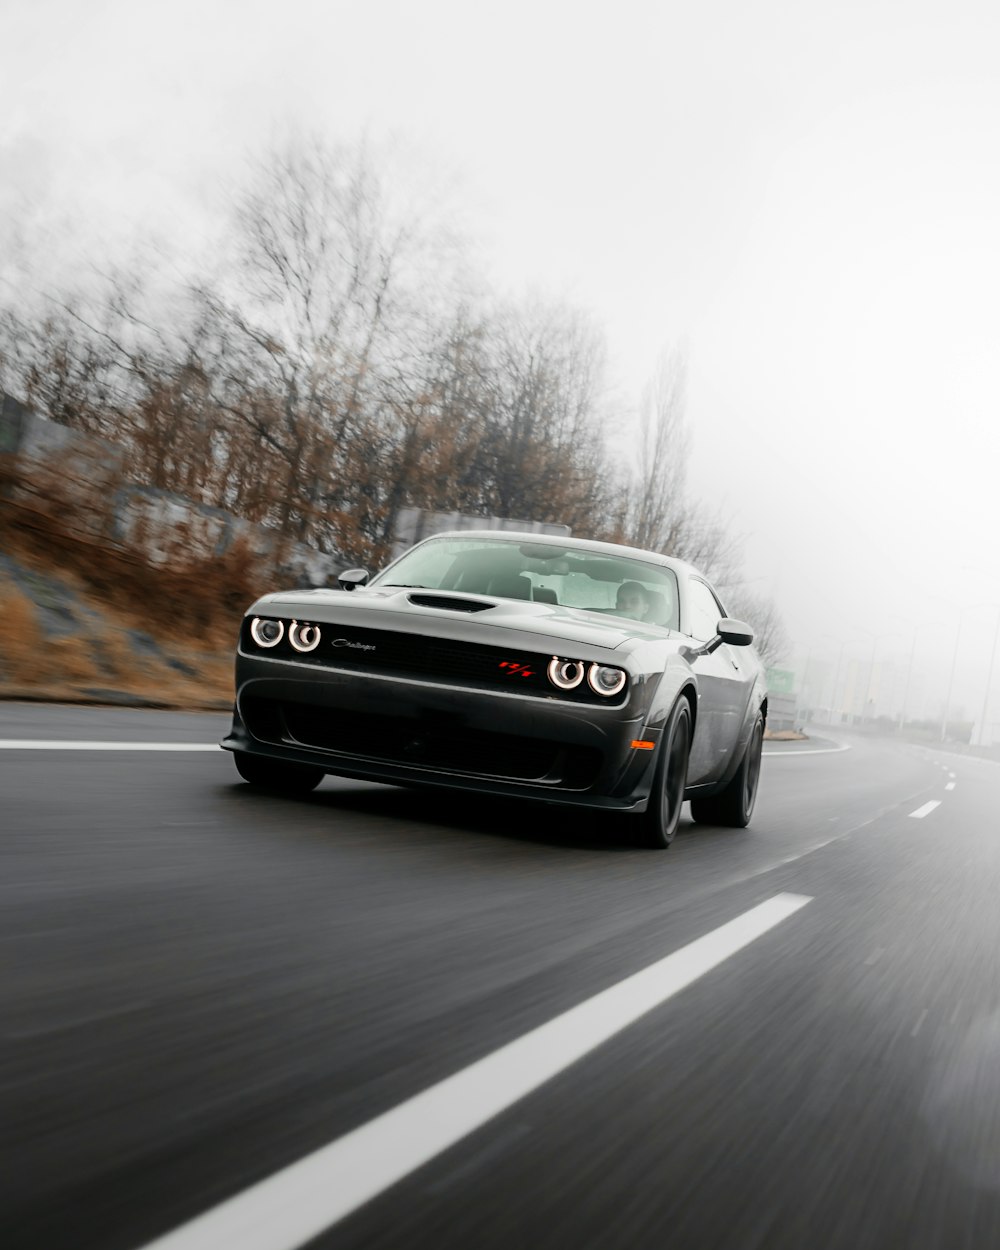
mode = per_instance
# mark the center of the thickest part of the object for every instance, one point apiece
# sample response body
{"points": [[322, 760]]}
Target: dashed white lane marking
{"points": [[302, 1200], [46, 744], [926, 809], [950, 785], [916, 1028]]}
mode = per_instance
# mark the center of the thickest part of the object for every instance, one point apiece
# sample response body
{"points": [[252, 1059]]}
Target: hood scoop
{"points": [[450, 603]]}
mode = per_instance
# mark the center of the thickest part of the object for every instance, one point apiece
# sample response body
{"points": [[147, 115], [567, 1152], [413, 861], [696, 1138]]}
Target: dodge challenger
{"points": [[544, 667]]}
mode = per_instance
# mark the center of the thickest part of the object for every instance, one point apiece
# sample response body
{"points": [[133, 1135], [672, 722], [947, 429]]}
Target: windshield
{"points": [[543, 573]]}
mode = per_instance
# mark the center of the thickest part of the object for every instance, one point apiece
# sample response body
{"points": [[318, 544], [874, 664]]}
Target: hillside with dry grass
{"points": [[87, 621]]}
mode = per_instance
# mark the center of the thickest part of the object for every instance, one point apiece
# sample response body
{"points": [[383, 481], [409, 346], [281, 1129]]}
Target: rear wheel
{"points": [[733, 806], [657, 825], [276, 775]]}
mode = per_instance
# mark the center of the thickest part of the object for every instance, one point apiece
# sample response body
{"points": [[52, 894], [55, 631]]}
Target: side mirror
{"points": [[351, 579], [736, 633]]}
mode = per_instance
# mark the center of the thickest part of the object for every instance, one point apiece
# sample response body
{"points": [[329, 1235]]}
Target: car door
{"points": [[722, 685]]}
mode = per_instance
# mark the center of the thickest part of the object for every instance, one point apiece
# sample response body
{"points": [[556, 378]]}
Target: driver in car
{"points": [[632, 601]]}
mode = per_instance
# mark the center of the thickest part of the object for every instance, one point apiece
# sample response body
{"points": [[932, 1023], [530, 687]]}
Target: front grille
{"points": [[435, 742], [439, 659]]}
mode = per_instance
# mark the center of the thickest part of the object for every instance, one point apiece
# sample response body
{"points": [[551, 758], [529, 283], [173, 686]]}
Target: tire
{"points": [[657, 825], [734, 805], [275, 775]]}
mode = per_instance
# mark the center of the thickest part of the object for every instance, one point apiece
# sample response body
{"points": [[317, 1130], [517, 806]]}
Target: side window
{"points": [[703, 612]]}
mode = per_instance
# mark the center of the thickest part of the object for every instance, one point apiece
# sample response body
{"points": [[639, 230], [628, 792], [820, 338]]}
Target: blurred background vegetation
{"points": [[334, 360]]}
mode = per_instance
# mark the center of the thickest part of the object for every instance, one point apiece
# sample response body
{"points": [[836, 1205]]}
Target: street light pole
{"points": [[871, 668], [834, 706], [951, 678], [906, 684], [969, 607], [989, 682]]}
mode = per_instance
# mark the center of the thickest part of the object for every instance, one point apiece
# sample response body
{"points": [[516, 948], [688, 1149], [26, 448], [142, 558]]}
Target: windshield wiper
{"points": [[408, 585]]}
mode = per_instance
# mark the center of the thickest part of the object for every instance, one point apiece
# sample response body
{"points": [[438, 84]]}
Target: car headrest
{"points": [[510, 586], [657, 607]]}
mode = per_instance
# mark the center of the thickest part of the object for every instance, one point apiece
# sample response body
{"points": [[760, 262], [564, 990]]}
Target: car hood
{"points": [[389, 607]]}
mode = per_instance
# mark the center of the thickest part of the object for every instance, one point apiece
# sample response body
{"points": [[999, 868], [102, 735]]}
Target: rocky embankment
{"points": [[63, 642]]}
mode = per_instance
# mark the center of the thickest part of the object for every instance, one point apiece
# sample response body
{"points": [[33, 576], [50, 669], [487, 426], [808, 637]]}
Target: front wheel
{"points": [[276, 775], [734, 805], [658, 823]]}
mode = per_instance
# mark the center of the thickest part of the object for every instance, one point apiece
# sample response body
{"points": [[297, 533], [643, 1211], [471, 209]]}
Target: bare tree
{"points": [[336, 365], [541, 446], [319, 326], [761, 614], [658, 514]]}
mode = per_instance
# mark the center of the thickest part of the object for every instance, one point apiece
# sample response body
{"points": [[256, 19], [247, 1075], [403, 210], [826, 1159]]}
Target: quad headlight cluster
{"points": [[268, 633], [601, 678]]}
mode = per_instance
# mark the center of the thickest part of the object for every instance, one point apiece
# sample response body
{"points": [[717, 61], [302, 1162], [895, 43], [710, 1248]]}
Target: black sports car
{"points": [[548, 668]]}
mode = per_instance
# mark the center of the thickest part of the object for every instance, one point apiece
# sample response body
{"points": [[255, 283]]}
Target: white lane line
{"points": [[927, 808], [302, 1200], [55, 744], [916, 1028], [811, 751], [816, 846], [950, 785], [46, 744]]}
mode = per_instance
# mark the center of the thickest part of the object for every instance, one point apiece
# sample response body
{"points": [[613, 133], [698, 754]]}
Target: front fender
{"points": [[675, 680], [756, 702]]}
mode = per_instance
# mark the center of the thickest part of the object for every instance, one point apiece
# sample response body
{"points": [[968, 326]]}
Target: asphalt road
{"points": [[204, 986]]}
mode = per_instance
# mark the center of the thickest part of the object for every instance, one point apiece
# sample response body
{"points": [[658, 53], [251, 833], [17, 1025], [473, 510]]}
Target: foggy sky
{"points": [[805, 196]]}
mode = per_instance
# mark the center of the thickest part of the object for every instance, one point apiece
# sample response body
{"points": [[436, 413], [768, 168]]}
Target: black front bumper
{"points": [[404, 731]]}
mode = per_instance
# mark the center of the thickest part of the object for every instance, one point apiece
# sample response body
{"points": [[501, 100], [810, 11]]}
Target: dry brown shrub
{"points": [[23, 654], [191, 606], [213, 687], [188, 600], [72, 659], [119, 660]]}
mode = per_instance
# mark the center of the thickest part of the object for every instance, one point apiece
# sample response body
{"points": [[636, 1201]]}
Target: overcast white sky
{"points": [[807, 195]]}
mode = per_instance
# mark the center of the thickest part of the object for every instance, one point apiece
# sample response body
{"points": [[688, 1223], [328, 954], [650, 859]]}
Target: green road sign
{"points": [[780, 681]]}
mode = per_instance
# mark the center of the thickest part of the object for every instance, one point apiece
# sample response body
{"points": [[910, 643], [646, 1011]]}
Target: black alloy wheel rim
{"points": [[753, 768], [675, 774]]}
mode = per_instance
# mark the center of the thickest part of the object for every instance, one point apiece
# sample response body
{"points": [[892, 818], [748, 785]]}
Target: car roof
{"points": [[578, 544]]}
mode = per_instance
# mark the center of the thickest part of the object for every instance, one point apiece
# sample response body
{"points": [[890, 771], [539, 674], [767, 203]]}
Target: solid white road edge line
{"points": [[846, 746], [302, 1200], [927, 808], [44, 744]]}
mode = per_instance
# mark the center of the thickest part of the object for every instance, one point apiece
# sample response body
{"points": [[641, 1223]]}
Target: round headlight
{"points": [[303, 637], [266, 633], [605, 680], [566, 674]]}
